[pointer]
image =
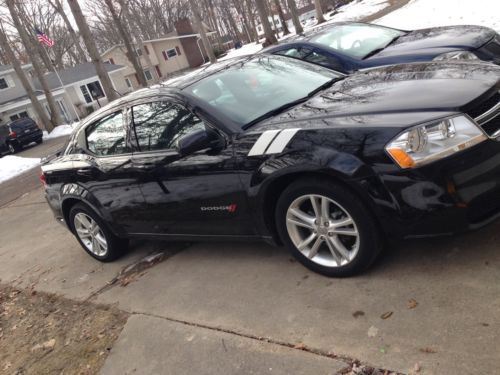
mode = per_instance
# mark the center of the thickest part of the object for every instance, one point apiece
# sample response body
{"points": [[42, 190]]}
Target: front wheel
{"points": [[94, 236], [327, 228]]}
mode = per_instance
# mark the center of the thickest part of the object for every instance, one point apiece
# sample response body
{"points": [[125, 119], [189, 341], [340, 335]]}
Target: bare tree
{"points": [[292, 6], [55, 117], [264, 20], [279, 9], [92, 49], [16, 64], [132, 55], [203, 34], [319, 11], [57, 5]]}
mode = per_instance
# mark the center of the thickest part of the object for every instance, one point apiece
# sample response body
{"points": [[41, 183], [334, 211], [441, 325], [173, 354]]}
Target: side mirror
{"points": [[199, 140]]}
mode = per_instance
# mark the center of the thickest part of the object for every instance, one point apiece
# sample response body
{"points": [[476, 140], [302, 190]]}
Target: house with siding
{"points": [[77, 92], [179, 50]]}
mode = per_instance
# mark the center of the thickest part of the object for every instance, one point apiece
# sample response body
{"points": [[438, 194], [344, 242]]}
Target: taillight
{"points": [[12, 134], [43, 179]]}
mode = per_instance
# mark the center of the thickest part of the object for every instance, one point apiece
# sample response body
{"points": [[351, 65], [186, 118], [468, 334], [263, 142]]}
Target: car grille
{"points": [[487, 115]]}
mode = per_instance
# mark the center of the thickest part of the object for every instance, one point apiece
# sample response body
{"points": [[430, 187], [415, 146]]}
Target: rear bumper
{"points": [[454, 195]]}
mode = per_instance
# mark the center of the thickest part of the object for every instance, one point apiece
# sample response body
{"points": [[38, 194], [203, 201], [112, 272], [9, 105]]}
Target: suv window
{"points": [[107, 136], [159, 125]]}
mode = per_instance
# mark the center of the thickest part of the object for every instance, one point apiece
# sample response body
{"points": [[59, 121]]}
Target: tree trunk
{"points": [[282, 17], [55, 117], [92, 49], [57, 5], [203, 34], [319, 11], [264, 20], [252, 21], [292, 6], [138, 37], [11, 57], [125, 36]]}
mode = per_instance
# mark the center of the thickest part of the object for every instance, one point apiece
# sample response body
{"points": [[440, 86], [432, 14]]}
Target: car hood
{"points": [[406, 90], [439, 38]]}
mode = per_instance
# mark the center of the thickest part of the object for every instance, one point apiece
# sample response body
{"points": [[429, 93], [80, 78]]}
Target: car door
{"points": [[105, 171], [195, 194]]}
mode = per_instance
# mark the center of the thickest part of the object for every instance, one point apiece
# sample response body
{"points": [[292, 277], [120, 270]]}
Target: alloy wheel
{"points": [[90, 234], [322, 230], [12, 149]]}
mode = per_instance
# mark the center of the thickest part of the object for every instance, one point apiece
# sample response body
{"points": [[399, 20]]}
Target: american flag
{"points": [[43, 38]]}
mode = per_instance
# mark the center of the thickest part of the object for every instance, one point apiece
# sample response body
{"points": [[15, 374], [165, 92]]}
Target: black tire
{"points": [[13, 147], [116, 247], [370, 241], [39, 141]]}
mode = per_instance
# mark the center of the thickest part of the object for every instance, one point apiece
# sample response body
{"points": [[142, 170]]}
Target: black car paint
{"points": [[26, 131], [343, 131], [414, 46]]}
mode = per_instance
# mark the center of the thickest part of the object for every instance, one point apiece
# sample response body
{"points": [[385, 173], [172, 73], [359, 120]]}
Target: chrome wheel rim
{"points": [[322, 230], [11, 148], [90, 234]]}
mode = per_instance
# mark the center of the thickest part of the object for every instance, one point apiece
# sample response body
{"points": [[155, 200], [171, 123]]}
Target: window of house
{"points": [[138, 52], [92, 91], [3, 84], [159, 125], [107, 136], [147, 74], [127, 81], [171, 53], [18, 115]]}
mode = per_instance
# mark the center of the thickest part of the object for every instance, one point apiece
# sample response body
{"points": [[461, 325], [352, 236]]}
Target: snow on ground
{"points": [[418, 14], [60, 131], [11, 166]]}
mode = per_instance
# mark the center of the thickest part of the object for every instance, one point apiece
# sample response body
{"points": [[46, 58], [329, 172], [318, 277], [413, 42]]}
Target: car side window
{"points": [[159, 125], [296, 52], [107, 136], [323, 59]]}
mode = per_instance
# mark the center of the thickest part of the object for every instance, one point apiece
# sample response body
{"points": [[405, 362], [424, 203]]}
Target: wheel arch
{"points": [[271, 193]]}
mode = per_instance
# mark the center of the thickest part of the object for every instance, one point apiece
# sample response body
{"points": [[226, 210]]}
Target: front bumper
{"points": [[452, 195]]}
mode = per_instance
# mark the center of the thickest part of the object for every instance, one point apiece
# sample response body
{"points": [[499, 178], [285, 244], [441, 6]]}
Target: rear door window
{"points": [[323, 59], [295, 52], [107, 136]]}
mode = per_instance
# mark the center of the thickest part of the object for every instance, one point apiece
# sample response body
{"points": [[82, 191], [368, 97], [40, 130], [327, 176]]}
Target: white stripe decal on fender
{"points": [[264, 140], [281, 141]]}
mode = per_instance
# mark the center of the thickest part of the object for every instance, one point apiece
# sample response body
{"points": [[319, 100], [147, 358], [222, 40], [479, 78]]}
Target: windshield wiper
{"points": [[286, 106], [377, 50]]}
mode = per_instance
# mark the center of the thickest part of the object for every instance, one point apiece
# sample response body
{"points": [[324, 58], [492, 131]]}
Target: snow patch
{"points": [[12, 166], [60, 131], [418, 14]]}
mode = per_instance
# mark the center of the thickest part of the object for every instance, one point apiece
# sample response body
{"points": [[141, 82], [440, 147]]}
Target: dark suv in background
{"points": [[19, 133]]}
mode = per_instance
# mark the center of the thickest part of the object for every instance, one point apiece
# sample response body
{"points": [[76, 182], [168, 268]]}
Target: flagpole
{"points": [[61, 82]]}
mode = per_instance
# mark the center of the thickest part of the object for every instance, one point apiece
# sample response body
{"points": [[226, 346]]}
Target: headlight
{"points": [[457, 55], [427, 143]]}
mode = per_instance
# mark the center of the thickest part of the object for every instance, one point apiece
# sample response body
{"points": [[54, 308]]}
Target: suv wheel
{"points": [[94, 236], [13, 148], [327, 228]]}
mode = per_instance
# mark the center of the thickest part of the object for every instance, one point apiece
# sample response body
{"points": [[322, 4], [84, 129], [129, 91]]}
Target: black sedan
{"points": [[347, 47], [272, 148]]}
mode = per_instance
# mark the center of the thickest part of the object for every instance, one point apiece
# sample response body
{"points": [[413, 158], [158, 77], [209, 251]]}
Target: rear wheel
{"points": [[39, 141], [94, 236], [13, 147], [327, 228]]}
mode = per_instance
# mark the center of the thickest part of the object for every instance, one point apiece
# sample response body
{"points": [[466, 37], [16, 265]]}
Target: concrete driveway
{"points": [[250, 308]]}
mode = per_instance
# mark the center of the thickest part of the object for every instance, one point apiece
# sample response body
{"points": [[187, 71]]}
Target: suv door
{"points": [[196, 194]]}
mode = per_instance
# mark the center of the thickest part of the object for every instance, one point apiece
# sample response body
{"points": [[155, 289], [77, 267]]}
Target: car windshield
{"points": [[248, 90], [357, 40]]}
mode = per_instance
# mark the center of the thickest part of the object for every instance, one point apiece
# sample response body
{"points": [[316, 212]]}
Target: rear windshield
{"points": [[22, 124]]}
